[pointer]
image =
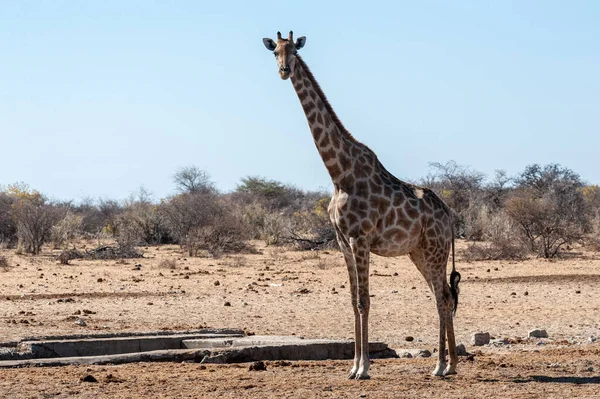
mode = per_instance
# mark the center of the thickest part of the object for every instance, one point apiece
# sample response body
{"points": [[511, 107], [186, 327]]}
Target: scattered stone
{"points": [[80, 322], [578, 292], [227, 303], [409, 338], [150, 303], [461, 350], [590, 369], [538, 334], [500, 342], [87, 311], [394, 291], [592, 339], [138, 266], [282, 363], [513, 293], [480, 338], [526, 293], [100, 280], [424, 353], [258, 366], [217, 283], [111, 378], [395, 274], [88, 378], [406, 355]]}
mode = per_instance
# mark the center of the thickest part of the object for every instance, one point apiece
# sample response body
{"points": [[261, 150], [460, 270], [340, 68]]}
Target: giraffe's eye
{"points": [[275, 53]]}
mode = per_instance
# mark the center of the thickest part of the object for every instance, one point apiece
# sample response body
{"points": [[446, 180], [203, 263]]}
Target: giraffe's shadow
{"points": [[561, 379]]}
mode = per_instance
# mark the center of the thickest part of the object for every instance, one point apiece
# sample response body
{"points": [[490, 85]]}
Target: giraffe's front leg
{"points": [[347, 251], [360, 251]]}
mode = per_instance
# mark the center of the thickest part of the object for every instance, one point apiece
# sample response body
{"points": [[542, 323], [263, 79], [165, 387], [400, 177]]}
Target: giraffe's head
{"points": [[285, 51]]}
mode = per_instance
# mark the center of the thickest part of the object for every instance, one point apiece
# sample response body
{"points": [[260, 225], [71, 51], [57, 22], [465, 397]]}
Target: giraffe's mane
{"points": [[326, 103]]}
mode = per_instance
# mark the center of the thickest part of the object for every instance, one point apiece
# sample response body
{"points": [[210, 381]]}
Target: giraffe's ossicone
{"points": [[373, 211]]}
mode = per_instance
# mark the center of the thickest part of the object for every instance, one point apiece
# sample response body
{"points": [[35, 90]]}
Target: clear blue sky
{"points": [[98, 98]]}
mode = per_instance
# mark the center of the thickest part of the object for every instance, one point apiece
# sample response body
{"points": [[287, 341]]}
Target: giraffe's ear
{"points": [[269, 44], [300, 42]]}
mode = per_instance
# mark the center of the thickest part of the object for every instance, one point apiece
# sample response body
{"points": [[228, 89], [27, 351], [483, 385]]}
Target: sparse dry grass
{"points": [[4, 264], [167, 264]]}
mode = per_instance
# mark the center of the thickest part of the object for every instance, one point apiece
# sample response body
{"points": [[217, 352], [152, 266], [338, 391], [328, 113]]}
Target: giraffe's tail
{"points": [[454, 278]]}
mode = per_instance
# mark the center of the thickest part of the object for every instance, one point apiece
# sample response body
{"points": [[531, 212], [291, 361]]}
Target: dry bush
{"points": [[504, 241], [501, 249], [142, 223], [312, 229], [34, 216], [105, 252], [168, 264], [66, 230], [224, 232], [459, 187], [263, 224], [184, 212], [69, 254], [4, 264], [8, 227], [547, 224]]}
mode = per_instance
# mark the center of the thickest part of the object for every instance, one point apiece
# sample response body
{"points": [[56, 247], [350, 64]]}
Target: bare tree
{"points": [[191, 179], [461, 188], [34, 216], [549, 207]]}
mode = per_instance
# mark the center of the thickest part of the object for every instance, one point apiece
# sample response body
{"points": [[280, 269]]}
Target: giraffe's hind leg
{"points": [[435, 275], [451, 369]]}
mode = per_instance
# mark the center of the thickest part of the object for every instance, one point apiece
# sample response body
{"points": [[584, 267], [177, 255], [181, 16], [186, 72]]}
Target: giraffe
{"points": [[374, 212]]}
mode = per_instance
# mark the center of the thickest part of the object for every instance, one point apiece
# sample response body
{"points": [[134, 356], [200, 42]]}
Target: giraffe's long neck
{"points": [[342, 154]]}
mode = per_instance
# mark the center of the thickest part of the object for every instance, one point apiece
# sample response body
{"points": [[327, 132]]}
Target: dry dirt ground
{"points": [[286, 292]]}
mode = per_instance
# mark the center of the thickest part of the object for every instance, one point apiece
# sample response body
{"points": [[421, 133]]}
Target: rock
{"points": [[227, 303], [500, 342], [424, 353], [592, 339], [461, 350], [217, 283], [409, 338], [88, 378], [258, 366], [406, 355], [480, 338], [538, 334], [80, 322]]}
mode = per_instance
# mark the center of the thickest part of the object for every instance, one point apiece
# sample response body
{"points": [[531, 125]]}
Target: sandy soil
{"points": [[305, 293]]}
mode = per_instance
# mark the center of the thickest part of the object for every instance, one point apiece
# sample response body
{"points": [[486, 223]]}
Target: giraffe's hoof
{"points": [[352, 375], [362, 376], [450, 370], [439, 371]]}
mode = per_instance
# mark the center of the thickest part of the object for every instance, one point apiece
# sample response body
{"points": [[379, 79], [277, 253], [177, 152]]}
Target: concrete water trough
{"points": [[202, 346]]}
